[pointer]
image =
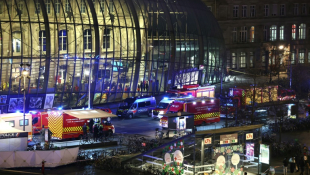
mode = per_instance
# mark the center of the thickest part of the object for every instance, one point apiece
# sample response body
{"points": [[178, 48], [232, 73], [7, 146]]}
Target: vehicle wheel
{"points": [[130, 116]]}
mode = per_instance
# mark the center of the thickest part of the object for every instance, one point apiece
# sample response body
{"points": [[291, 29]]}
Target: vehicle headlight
{"points": [[161, 112]]}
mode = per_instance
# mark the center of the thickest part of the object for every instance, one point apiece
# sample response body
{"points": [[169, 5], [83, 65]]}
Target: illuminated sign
{"points": [[249, 136], [229, 138], [208, 141], [264, 153]]}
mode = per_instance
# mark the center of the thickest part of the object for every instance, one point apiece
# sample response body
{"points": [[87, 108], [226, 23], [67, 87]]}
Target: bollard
{"points": [[43, 166]]}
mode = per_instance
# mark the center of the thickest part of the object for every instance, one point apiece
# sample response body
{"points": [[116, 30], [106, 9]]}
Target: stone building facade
{"points": [[262, 34]]}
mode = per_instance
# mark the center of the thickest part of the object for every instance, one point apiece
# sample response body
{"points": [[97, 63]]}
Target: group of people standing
{"points": [[297, 164], [143, 86], [95, 128]]}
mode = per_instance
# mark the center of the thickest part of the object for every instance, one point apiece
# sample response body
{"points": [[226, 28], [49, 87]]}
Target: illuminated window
{"points": [[293, 57], [83, 7], [244, 11], [282, 9], [302, 31], [21, 122], [67, 6], [62, 40], [38, 8], [111, 6], [48, 6], [106, 38], [235, 11], [242, 60], [293, 31], [252, 11], [234, 35], [87, 39], [266, 10], [301, 56], [102, 5], [16, 42], [42, 40], [296, 9], [243, 34], [233, 60], [281, 32], [20, 8], [252, 34], [57, 6], [273, 33]]}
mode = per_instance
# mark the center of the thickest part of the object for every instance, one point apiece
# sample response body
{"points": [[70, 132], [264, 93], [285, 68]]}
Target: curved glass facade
{"points": [[117, 48]]}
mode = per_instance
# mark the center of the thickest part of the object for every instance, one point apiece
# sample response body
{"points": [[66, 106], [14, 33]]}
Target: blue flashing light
{"points": [[60, 108], [32, 112], [165, 98], [17, 111], [190, 96], [83, 108]]}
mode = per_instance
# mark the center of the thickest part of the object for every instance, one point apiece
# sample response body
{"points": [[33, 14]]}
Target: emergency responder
{"points": [[91, 123], [96, 133], [84, 129]]}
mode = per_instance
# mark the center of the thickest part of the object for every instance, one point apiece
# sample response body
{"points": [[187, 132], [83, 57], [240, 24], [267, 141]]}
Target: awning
{"points": [[88, 114]]}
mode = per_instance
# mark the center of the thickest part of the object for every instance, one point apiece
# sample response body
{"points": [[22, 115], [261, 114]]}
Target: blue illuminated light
{"points": [[165, 98], [32, 112], [17, 111], [60, 108]]}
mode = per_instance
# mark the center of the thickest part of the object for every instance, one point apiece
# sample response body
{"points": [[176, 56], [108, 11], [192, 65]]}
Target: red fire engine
{"points": [[205, 110], [65, 124], [191, 90], [244, 97]]}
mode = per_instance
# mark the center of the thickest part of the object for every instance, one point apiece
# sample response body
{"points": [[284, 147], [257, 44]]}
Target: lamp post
{"points": [[24, 75]]}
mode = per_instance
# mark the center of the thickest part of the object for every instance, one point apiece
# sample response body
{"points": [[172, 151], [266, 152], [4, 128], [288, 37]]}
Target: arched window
{"points": [[42, 40], [273, 33], [87, 39], [62, 40], [302, 31]]}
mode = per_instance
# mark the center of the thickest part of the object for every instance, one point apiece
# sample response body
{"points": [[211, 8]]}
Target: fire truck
{"points": [[67, 124], [162, 107], [205, 110], [241, 97], [187, 91], [191, 90]]}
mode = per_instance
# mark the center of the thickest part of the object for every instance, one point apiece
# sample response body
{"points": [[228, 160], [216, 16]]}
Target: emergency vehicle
{"points": [[191, 90], [16, 120], [244, 96], [67, 124], [205, 110], [162, 107]]}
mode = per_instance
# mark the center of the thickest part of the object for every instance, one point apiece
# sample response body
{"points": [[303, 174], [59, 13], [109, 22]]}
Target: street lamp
{"points": [[25, 74]]}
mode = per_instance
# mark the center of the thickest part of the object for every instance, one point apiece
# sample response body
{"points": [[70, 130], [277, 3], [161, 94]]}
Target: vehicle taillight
{"points": [[134, 111]]}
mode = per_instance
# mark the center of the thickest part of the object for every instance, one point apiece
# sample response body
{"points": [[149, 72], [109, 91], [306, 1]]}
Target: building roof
{"points": [[226, 130]]}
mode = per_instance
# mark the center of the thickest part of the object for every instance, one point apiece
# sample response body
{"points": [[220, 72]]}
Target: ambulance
{"points": [[205, 110]]}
